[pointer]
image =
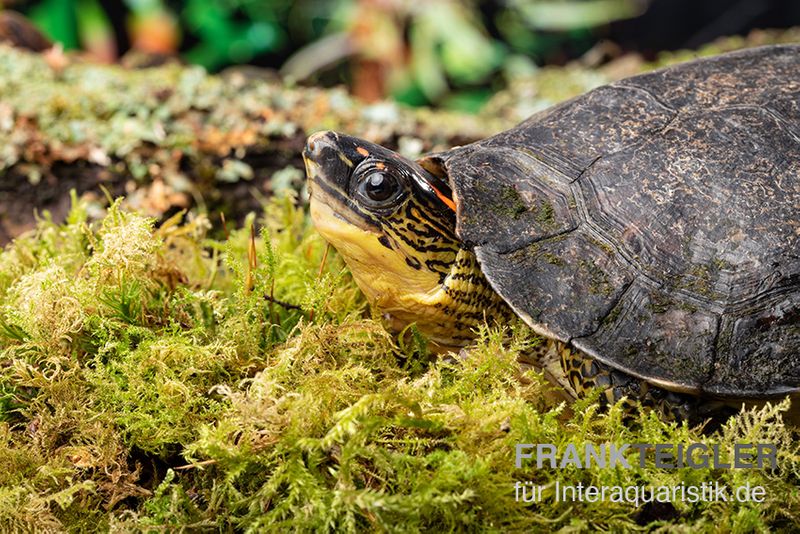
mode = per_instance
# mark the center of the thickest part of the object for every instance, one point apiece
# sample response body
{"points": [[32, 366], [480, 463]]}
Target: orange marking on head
{"points": [[363, 151], [380, 165], [444, 198]]}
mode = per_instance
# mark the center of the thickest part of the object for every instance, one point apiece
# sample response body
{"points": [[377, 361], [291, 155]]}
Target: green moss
{"points": [[552, 259], [613, 315], [659, 303], [687, 307], [545, 215], [698, 279], [721, 265], [605, 247], [511, 203], [599, 283], [155, 379]]}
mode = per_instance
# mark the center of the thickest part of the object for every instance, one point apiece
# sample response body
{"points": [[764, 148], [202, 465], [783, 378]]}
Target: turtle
{"points": [[648, 230]]}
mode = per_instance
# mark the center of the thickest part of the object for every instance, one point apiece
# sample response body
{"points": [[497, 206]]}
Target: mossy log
{"points": [[173, 136]]}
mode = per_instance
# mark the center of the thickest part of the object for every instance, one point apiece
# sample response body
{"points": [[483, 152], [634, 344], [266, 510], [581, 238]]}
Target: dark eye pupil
{"points": [[379, 186]]}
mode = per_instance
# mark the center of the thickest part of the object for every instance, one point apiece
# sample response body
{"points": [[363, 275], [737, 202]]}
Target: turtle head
{"points": [[391, 220]]}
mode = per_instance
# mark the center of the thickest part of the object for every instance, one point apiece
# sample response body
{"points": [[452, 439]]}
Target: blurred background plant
{"points": [[450, 53], [445, 51]]}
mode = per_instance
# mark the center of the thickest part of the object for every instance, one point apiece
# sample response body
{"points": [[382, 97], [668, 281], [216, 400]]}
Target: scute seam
{"points": [[622, 83], [714, 353], [783, 121]]}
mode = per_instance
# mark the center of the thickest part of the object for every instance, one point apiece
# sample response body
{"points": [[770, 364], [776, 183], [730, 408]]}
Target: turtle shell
{"points": [[654, 223]]}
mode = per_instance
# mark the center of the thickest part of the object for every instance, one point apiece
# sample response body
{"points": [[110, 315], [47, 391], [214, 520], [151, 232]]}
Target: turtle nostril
{"points": [[312, 150], [315, 145]]}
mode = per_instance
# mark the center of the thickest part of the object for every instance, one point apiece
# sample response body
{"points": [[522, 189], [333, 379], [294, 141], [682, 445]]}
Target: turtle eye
{"points": [[379, 186]]}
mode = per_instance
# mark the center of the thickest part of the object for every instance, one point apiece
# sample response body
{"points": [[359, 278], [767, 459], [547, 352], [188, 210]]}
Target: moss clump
{"points": [[545, 215], [700, 279], [599, 283], [511, 203], [552, 259], [154, 379]]}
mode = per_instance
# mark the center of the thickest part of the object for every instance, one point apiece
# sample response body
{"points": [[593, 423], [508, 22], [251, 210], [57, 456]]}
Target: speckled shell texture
{"points": [[654, 223]]}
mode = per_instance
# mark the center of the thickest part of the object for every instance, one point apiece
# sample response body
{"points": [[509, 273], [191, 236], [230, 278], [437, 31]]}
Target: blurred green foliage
{"points": [[58, 19], [442, 52], [225, 37]]}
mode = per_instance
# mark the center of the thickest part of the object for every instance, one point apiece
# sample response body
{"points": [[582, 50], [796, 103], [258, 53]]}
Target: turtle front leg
{"points": [[584, 373]]}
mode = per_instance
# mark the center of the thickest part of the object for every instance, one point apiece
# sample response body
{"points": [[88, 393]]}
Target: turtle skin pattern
{"points": [[584, 374], [654, 223]]}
